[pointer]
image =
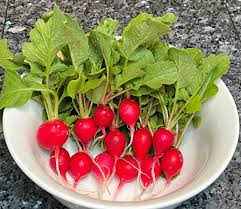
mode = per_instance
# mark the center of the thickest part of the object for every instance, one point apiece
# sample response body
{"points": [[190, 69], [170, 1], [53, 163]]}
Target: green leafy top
{"points": [[70, 70]]}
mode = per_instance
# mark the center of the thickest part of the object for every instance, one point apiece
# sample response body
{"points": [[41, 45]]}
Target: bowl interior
{"points": [[207, 151]]}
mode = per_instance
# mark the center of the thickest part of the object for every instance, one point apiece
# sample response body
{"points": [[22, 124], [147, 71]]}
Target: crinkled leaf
{"points": [[218, 65], [62, 71], [145, 58], [35, 68], [75, 86], [160, 50], [47, 15], [194, 105], [129, 74], [211, 90], [195, 53], [19, 59], [168, 18], [59, 67], [46, 40], [33, 79], [14, 92], [96, 94], [138, 54], [6, 56], [144, 90], [95, 60], [92, 84], [141, 31], [96, 72], [187, 71], [77, 42], [115, 70], [157, 74], [108, 26], [211, 68], [115, 56], [103, 43]]}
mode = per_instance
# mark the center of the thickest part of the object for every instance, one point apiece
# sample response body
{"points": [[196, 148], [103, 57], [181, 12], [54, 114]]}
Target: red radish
{"points": [[129, 111], [63, 161], [103, 168], [106, 163], [142, 140], [103, 116], [146, 167], [171, 163], [80, 166], [52, 134], [85, 130], [162, 141], [115, 142], [126, 170]]}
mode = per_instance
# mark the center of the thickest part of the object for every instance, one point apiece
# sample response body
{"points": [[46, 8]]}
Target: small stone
{"points": [[208, 29], [16, 29], [140, 4]]}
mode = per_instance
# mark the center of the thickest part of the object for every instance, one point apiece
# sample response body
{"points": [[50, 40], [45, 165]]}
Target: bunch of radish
{"points": [[117, 159], [134, 97]]}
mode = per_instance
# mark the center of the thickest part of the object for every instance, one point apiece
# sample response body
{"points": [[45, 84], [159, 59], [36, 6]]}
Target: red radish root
{"points": [[103, 116], [80, 166], [115, 142], [162, 141], [171, 163], [52, 134], [62, 162], [142, 141], [85, 130], [104, 170], [129, 111], [146, 167], [126, 171]]}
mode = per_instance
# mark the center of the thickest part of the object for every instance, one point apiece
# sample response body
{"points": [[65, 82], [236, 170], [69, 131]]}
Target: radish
{"points": [[142, 141], [171, 163], [62, 162], [129, 111], [126, 171], [115, 142], [103, 116], [52, 134], [162, 141], [106, 163], [85, 130], [103, 171], [80, 165], [146, 167]]}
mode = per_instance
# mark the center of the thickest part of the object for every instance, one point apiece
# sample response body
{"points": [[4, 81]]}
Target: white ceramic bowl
{"points": [[207, 152]]}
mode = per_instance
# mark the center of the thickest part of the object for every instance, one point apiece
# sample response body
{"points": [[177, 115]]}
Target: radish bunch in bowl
{"points": [[134, 97], [120, 158]]}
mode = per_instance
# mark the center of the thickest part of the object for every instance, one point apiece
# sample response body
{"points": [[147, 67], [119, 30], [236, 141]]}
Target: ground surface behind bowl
{"points": [[208, 24]]}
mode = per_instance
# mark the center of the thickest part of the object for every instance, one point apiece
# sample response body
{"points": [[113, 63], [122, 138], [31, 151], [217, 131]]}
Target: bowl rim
{"points": [[102, 204]]}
